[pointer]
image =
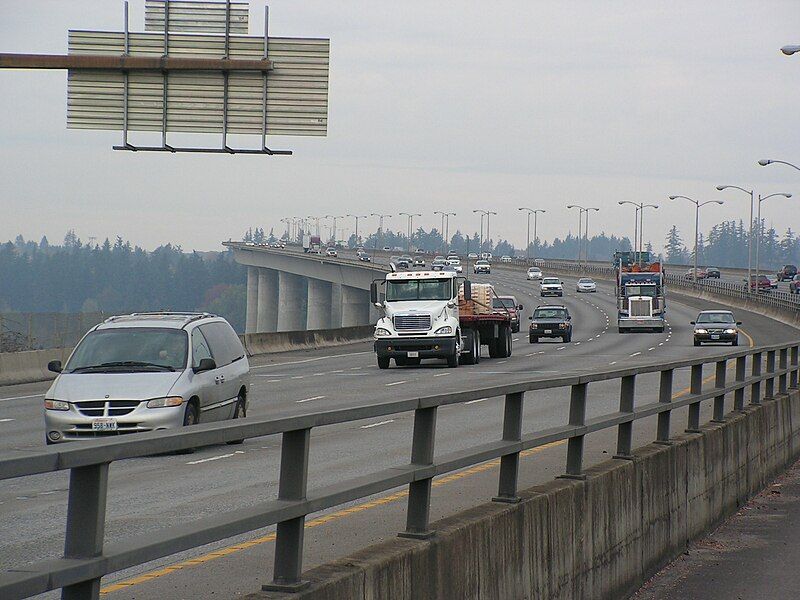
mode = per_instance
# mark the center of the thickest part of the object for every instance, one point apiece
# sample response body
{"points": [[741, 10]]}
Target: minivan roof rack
{"points": [[188, 317]]}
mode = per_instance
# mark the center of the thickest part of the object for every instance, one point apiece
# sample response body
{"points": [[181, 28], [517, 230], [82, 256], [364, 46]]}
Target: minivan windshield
{"points": [[720, 317], [127, 349], [424, 289]]}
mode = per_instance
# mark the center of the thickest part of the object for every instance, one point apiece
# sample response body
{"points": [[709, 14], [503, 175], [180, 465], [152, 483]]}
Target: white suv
{"points": [[148, 371]]}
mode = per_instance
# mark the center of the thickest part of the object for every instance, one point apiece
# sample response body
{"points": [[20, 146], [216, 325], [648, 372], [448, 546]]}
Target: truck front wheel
{"points": [[383, 362]]}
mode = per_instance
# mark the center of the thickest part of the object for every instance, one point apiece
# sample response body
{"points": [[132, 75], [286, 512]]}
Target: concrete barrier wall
{"points": [[29, 366], [283, 341], [598, 538]]}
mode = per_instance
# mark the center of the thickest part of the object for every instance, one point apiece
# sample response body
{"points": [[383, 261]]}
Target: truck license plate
{"points": [[413, 354], [104, 424]]}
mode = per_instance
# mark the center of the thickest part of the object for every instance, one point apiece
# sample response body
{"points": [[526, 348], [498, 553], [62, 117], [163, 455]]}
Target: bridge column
{"points": [[336, 305], [252, 300], [291, 302], [267, 314], [355, 306], [319, 304]]}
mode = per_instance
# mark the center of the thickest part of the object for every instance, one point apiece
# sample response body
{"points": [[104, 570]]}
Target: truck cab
{"points": [[420, 320], [640, 301]]}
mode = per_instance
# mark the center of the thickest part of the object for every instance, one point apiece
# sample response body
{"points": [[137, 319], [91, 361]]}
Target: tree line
{"points": [[118, 277]]}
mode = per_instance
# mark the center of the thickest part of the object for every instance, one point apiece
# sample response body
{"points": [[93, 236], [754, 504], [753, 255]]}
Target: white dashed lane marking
{"points": [[310, 399], [371, 425], [395, 383]]}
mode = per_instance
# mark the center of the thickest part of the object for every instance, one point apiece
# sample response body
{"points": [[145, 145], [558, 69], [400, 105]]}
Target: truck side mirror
{"points": [[467, 290], [373, 292]]}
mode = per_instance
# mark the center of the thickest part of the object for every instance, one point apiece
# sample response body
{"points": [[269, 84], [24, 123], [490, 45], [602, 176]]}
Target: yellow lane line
{"points": [[340, 514]]}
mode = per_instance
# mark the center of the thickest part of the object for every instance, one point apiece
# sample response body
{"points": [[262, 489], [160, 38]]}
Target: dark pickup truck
{"points": [[787, 273]]}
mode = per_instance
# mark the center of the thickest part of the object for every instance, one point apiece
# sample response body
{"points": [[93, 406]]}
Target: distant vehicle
{"points": [[456, 264], [550, 321], [716, 326], [794, 285], [713, 273], [701, 274], [387, 249], [472, 256], [538, 261], [331, 252], [407, 258], [419, 262], [482, 266], [452, 256], [312, 244], [364, 257], [146, 372], [759, 283], [505, 259], [403, 263], [438, 264], [249, 243], [787, 273], [586, 284], [551, 286], [509, 303], [773, 282], [486, 256], [534, 274]]}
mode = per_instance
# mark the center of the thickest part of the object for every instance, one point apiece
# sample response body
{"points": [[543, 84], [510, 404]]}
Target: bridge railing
{"points": [[765, 371]]}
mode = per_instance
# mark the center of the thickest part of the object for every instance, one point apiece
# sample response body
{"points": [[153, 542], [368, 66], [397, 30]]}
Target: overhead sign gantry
{"points": [[194, 69]]}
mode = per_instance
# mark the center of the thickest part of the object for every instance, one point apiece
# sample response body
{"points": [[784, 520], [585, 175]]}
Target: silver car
{"points": [[148, 371]]}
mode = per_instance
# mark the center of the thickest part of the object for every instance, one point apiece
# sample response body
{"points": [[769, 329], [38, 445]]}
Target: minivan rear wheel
{"points": [[240, 412]]}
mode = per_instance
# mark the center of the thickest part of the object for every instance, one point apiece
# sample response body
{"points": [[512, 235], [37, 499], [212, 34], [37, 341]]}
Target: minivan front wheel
{"points": [[190, 417]]}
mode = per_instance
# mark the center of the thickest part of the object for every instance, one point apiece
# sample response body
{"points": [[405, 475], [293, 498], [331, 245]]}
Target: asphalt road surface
{"points": [[148, 494]]}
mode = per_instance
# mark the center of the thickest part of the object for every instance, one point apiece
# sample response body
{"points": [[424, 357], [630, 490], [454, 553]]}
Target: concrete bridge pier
{"points": [[252, 300], [319, 304], [336, 305], [292, 302], [355, 306], [267, 312]]}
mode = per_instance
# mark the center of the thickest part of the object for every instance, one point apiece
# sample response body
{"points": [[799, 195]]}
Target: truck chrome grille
{"points": [[412, 322], [640, 308]]}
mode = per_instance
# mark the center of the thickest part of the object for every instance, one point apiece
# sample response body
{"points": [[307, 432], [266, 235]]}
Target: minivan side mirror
{"points": [[738, 322], [54, 366], [692, 323], [206, 364]]}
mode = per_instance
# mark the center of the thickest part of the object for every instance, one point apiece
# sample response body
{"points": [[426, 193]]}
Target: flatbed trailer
{"points": [[488, 329]]}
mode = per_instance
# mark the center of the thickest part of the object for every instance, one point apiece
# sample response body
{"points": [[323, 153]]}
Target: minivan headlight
{"points": [[165, 402], [446, 330], [55, 404], [381, 332]]}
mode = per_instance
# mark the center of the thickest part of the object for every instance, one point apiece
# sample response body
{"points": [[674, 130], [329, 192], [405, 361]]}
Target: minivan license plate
{"points": [[104, 424], [413, 354]]}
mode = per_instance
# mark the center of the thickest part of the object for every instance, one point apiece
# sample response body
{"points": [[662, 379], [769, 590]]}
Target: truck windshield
{"points": [[130, 348], [640, 290], [420, 289]]}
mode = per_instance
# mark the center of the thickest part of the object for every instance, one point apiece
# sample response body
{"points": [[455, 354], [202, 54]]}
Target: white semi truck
{"points": [[432, 314]]}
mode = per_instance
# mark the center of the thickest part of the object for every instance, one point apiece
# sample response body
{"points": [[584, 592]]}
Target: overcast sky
{"points": [[439, 106]]}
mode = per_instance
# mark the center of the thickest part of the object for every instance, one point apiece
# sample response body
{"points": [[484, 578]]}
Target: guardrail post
{"points": [[419, 492], [509, 464], [577, 418], [664, 396], [795, 363], [289, 540], [719, 383], [769, 388], [86, 521], [783, 365], [755, 389], [627, 390], [695, 388], [738, 395]]}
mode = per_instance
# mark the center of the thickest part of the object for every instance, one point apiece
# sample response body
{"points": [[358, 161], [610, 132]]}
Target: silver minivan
{"points": [[148, 371]]}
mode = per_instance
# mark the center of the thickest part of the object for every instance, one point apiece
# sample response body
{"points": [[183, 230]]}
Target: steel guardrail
{"points": [[86, 558]]}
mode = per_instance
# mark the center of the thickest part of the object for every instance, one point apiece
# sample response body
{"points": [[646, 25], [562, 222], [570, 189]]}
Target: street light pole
{"points": [[760, 232], [441, 230], [751, 193], [534, 212], [581, 210], [410, 226], [379, 237], [697, 206], [766, 161], [447, 230], [357, 217], [482, 213]]}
